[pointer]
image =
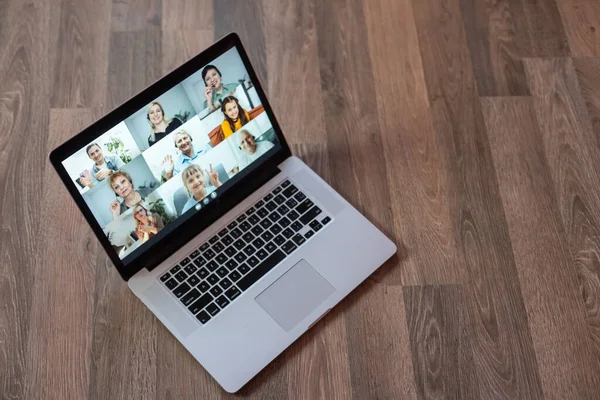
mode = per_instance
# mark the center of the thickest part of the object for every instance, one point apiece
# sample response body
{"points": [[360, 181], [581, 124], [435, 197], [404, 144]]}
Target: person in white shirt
{"points": [[251, 149]]}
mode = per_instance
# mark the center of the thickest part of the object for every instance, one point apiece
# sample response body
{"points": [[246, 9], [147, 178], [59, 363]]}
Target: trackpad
{"points": [[293, 296]]}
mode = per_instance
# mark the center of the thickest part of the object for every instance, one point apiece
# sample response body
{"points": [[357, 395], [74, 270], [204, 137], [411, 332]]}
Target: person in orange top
{"points": [[235, 116]]}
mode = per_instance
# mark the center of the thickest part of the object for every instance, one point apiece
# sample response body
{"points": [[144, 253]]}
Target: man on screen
{"points": [[187, 155], [103, 165], [251, 149]]}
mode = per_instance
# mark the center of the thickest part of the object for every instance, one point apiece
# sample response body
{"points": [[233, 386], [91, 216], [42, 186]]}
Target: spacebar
{"points": [[260, 270]]}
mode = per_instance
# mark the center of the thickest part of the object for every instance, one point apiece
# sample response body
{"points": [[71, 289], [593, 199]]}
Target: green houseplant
{"points": [[116, 145]]}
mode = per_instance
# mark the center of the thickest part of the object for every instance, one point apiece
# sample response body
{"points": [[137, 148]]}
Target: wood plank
{"points": [[292, 60], [573, 160], [546, 31], [588, 77], [24, 105], [581, 19], [440, 342], [79, 52], [178, 46], [502, 347], [135, 15], [543, 259], [58, 361], [417, 165], [498, 38], [187, 14]]}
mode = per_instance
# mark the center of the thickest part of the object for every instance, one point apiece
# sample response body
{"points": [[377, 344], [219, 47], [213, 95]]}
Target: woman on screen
{"points": [[215, 89], [235, 116], [147, 224], [193, 180], [121, 183], [160, 124]]}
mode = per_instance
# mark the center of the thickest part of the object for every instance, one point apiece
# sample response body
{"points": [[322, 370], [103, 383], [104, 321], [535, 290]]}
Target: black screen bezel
{"points": [[253, 178]]}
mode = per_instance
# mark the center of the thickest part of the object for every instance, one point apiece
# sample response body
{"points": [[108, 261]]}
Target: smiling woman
{"points": [[122, 185], [160, 124]]}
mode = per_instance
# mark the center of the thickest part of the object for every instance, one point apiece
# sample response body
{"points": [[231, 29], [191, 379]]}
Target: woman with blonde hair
{"points": [[147, 224], [120, 182], [160, 124]]}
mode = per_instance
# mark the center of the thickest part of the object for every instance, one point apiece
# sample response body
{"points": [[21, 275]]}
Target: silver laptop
{"points": [[233, 243]]}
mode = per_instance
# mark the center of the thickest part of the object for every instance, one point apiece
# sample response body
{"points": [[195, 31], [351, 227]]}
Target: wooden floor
{"points": [[467, 130]]}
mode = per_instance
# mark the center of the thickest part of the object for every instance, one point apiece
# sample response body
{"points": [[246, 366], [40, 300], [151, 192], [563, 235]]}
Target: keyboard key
{"points": [[275, 229], [236, 233], [250, 211], [244, 226], [258, 243], [200, 303], [208, 254], [270, 206], [279, 199], [171, 283], [241, 218], [230, 251], [203, 317], [259, 204], [216, 290], [232, 225], [202, 273], [211, 266], [239, 244], [218, 247], [181, 276], [309, 234], [165, 277], [298, 239], [234, 276], [274, 216], [289, 192], [226, 240], [296, 226], [212, 279], [185, 262], [304, 206], [232, 293], [326, 220], [190, 297], [222, 272], [263, 212], [266, 223], [310, 215], [231, 265], [181, 289], [204, 247], [268, 264], [285, 184], [222, 301], [221, 258], [315, 225], [300, 196], [225, 283], [223, 232], [288, 233], [277, 190], [244, 268], [203, 287], [175, 269], [289, 247], [253, 261], [291, 203], [249, 250], [190, 269], [284, 222], [257, 230], [193, 280], [213, 309], [266, 236], [262, 254], [270, 247], [279, 240], [268, 197], [200, 261], [240, 257], [213, 239], [195, 254], [248, 237], [283, 210], [253, 219]]}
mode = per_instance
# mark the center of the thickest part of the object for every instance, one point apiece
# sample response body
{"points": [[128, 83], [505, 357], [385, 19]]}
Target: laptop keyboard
{"points": [[230, 262]]}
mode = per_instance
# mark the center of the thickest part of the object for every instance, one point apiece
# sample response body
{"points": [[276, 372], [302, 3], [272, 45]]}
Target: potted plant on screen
{"points": [[116, 145]]}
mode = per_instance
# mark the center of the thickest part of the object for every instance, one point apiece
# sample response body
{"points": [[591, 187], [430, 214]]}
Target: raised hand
{"points": [[214, 177], [208, 96], [100, 175], [168, 164], [115, 209]]}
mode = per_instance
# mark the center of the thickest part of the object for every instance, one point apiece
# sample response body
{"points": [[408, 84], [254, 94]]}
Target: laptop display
{"points": [[172, 158]]}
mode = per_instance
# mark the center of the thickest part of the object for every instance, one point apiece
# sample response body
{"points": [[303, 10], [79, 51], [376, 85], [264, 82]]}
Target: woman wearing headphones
{"points": [[215, 90], [147, 224], [235, 116], [161, 126], [122, 185]]}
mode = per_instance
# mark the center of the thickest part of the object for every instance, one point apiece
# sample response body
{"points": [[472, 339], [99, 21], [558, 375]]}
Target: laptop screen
{"points": [[169, 160]]}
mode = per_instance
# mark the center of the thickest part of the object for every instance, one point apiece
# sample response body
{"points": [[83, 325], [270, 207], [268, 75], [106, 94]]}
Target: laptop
{"points": [[235, 245]]}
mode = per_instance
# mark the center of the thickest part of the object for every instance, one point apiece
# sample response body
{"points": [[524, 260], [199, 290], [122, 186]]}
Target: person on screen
{"points": [[147, 224], [160, 124], [195, 185], [251, 149], [184, 143], [122, 185], [235, 116], [215, 90], [103, 165]]}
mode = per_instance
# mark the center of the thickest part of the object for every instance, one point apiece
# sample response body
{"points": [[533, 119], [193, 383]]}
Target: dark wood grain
{"points": [[461, 128], [440, 344], [542, 256], [502, 346], [574, 163]]}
